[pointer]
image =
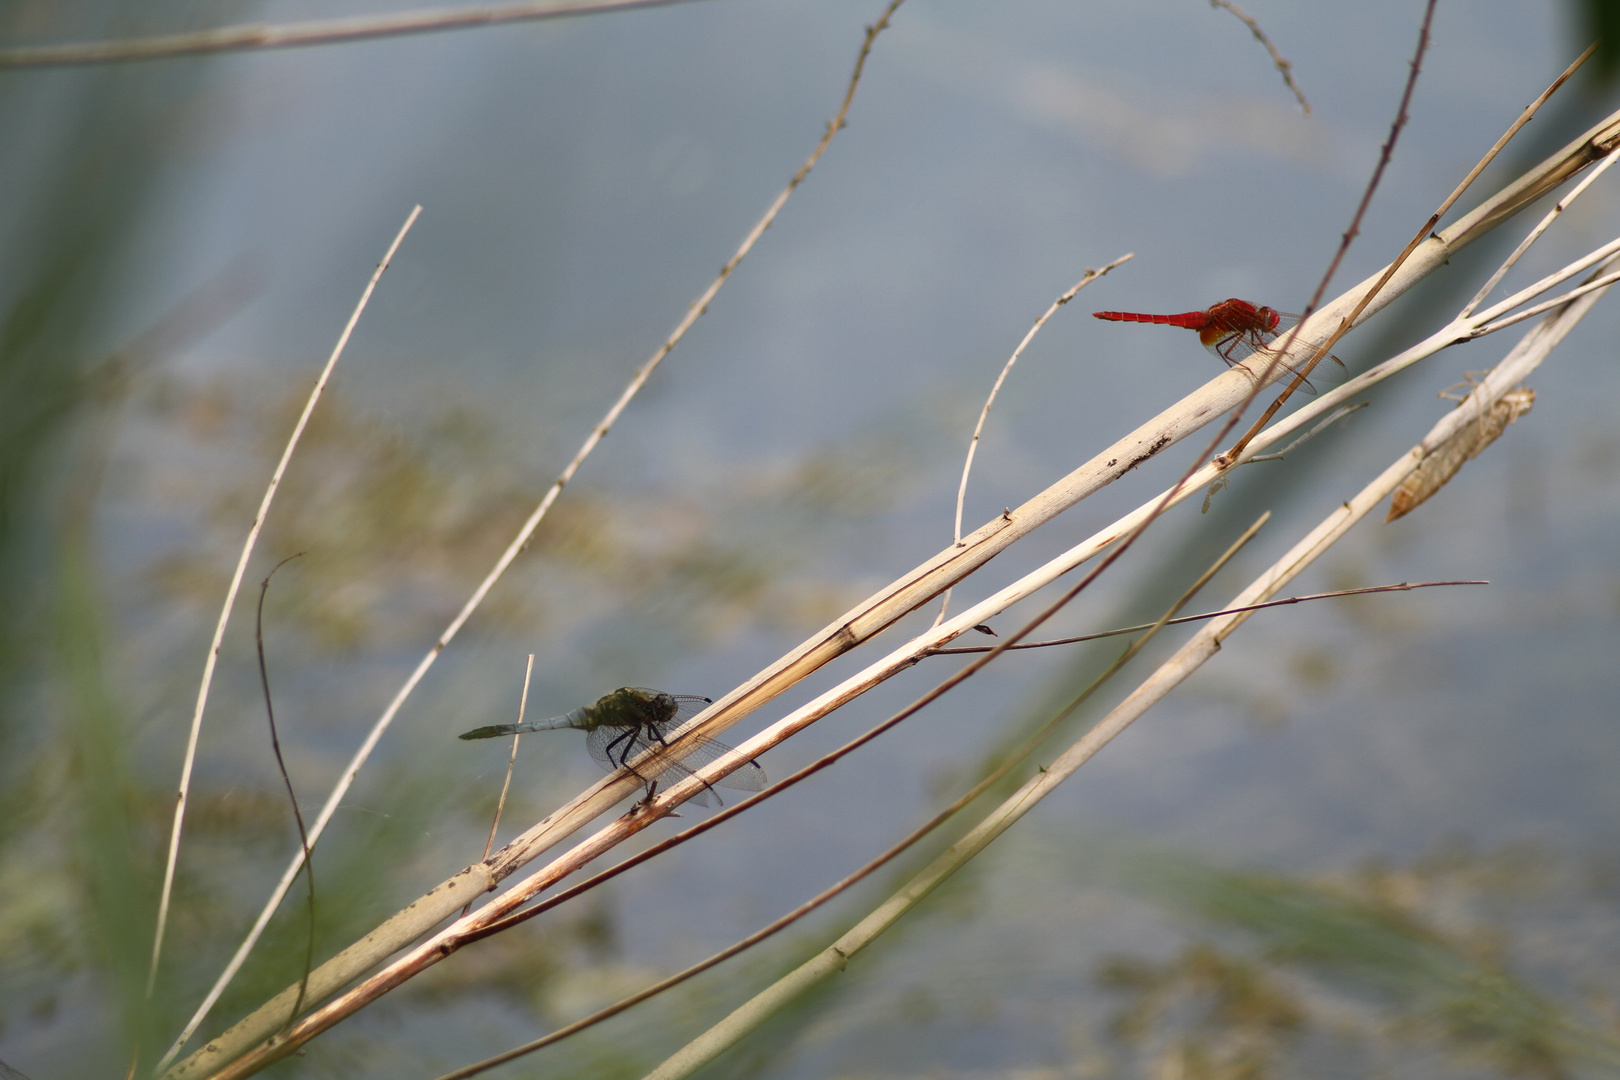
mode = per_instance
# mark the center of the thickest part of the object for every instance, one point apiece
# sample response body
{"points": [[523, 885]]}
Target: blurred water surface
{"points": [[184, 240]]}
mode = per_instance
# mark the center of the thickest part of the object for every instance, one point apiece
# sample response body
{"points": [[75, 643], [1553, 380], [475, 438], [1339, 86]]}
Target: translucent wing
{"points": [[616, 746], [749, 777]]}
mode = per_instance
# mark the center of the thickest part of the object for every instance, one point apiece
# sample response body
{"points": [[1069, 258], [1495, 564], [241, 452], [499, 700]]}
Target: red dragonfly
{"points": [[1232, 329]]}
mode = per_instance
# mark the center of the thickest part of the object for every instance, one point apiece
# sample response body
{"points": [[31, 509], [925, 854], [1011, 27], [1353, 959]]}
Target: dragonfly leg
{"points": [[623, 761], [646, 800]]}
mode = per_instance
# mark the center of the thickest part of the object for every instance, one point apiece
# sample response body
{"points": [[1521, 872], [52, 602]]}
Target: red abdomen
{"points": [[1192, 320]]}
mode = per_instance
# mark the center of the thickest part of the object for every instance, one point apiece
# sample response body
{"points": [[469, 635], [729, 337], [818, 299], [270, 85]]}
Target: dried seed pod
{"points": [[1443, 462]]}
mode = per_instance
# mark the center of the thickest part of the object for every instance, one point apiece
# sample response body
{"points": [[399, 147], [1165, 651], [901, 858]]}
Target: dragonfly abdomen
{"points": [[1192, 320]]}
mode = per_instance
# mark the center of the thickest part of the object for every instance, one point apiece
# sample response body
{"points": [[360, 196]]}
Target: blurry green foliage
{"points": [[72, 813], [1416, 957]]}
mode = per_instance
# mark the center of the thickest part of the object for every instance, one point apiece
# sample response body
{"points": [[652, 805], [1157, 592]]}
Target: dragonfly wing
{"points": [[673, 772], [750, 777], [614, 745], [668, 769], [696, 752]]}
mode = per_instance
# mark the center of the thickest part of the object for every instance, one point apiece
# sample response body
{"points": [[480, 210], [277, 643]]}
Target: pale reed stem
{"points": [[230, 599]]}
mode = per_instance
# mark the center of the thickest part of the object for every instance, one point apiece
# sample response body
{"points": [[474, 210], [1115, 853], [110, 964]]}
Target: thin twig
{"points": [[984, 413], [254, 1027], [312, 32], [1525, 117], [1478, 322], [511, 764], [1007, 764], [1321, 426], [281, 765], [1402, 587], [1547, 305], [1276, 57], [230, 601]]}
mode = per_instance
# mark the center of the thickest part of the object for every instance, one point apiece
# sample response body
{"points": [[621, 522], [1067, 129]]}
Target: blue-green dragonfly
{"points": [[633, 720]]}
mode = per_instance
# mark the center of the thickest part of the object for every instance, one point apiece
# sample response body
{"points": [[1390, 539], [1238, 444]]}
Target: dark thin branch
{"points": [[275, 745], [1402, 587], [1350, 234], [312, 32], [1422, 233]]}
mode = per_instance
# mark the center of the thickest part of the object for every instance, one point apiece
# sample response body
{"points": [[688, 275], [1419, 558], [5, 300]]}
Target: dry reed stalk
{"points": [[990, 400], [1442, 463], [407, 926], [1520, 361], [954, 563], [911, 590], [311, 32], [1008, 763], [235, 586]]}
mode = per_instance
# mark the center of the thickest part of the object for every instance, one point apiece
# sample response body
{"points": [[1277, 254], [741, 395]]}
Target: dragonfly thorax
{"points": [[1233, 324], [633, 707], [1236, 316]]}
